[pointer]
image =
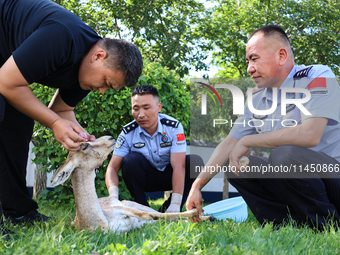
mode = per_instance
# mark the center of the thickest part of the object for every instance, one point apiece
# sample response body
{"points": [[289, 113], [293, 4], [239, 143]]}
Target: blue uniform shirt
{"points": [[324, 102], [169, 138]]}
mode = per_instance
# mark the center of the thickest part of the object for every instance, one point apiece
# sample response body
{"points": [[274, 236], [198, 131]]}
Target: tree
{"points": [[312, 26], [163, 30]]}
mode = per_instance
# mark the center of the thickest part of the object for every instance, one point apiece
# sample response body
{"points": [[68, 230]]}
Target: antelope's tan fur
{"points": [[108, 213]]}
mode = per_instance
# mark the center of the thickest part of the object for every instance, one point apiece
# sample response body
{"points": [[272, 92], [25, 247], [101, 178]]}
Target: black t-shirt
{"points": [[47, 43]]}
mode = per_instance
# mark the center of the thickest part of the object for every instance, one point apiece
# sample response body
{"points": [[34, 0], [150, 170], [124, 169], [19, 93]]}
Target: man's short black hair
{"points": [[124, 56], [145, 89], [271, 30]]}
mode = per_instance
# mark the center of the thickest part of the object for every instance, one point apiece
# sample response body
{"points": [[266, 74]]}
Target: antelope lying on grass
{"points": [[108, 213]]}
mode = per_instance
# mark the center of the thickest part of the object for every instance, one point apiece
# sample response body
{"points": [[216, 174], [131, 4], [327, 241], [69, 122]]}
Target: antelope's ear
{"points": [[62, 173]]}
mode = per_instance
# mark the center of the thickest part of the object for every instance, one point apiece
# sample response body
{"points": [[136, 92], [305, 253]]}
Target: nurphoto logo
{"points": [[260, 116], [238, 100]]}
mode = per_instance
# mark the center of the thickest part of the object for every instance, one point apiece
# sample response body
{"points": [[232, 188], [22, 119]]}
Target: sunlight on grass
{"points": [[167, 237], [155, 204]]}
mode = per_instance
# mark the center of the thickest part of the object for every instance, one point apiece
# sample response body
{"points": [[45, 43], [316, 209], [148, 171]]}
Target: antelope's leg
{"points": [[211, 218], [157, 215], [152, 215], [190, 213]]}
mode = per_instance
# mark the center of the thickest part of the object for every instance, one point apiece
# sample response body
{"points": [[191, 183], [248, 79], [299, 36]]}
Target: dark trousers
{"points": [[140, 176], [15, 134], [306, 197]]}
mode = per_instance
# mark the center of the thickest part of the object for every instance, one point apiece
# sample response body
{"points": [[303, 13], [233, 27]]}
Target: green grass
{"points": [[219, 237]]}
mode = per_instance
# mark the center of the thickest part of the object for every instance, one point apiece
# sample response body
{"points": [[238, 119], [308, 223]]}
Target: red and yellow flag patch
{"points": [[180, 137]]}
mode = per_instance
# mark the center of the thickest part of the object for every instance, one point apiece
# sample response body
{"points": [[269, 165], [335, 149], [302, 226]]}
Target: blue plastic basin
{"points": [[233, 208]]}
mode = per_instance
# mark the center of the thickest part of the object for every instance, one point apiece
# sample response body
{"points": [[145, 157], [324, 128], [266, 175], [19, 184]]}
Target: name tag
{"points": [[319, 92], [167, 144], [290, 107]]}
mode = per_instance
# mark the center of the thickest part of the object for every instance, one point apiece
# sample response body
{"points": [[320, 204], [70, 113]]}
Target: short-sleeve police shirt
{"points": [[169, 138], [324, 102], [47, 43]]}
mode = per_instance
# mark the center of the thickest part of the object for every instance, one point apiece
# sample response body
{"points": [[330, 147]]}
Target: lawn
{"points": [[218, 237]]}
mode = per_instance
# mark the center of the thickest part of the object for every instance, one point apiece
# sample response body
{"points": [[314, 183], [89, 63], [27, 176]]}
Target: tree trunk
{"points": [[225, 194], [40, 180]]}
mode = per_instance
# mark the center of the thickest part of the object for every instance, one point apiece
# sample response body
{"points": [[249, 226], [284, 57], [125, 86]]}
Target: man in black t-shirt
{"points": [[43, 42]]}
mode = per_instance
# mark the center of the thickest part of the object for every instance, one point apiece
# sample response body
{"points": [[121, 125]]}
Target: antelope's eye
{"points": [[86, 146]]}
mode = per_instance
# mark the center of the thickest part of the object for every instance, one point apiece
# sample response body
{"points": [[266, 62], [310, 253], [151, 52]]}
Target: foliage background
{"points": [[181, 34], [312, 26], [161, 29]]}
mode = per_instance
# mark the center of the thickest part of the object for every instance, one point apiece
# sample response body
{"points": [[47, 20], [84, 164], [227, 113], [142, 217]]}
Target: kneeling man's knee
{"points": [[284, 155], [130, 162]]}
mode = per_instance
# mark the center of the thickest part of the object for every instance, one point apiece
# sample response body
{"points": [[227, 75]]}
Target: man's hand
{"points": [[114, 192], [87, 136], [67, 133], [66, 112], [173, 208], [175, 205], [194, 200], [235, 155]]}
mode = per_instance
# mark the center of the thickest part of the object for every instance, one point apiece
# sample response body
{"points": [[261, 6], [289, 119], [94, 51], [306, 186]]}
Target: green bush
{"points": [[106, 114]]}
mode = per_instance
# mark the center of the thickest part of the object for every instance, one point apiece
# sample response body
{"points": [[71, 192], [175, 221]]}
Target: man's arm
{"points": [[65, 111], [14, 87], [111, 177], [218, 158], [177, 161], [306, 135]]}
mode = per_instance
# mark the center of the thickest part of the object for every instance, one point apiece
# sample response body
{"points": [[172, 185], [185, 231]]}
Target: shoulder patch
{"points": [[120, 141], [302, 73], [129, 127], [171, 123]]}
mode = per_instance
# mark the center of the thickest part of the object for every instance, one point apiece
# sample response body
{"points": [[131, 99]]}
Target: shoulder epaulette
{"points": [[129, 127], [302, 73], [172, 123]]}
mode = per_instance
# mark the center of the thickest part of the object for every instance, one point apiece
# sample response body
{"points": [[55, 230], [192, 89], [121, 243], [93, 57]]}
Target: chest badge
{"points": [[164, 138], [259, 117], [139, 145]]}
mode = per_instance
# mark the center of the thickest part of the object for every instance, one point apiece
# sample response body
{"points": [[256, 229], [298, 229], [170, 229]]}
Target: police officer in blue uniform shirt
{"points": [[42, 42], [300, 179], [151, 151]]}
